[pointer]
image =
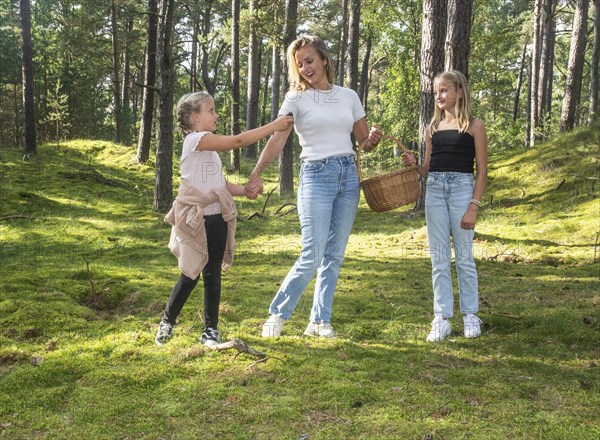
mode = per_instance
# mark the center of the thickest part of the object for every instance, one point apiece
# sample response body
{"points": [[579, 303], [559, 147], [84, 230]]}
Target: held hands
{"points": [[282, 122], [409, 158], [253, 188]]}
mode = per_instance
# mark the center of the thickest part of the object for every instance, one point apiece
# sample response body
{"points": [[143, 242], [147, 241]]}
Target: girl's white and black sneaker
{"points": [[210, 337], [164, 333]]}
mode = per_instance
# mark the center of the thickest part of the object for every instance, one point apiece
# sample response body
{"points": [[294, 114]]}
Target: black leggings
{"points": [[216, 234]]}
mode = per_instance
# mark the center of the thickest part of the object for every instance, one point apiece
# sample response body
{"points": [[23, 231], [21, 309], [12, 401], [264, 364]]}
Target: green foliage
{"points": [[77, 357]]}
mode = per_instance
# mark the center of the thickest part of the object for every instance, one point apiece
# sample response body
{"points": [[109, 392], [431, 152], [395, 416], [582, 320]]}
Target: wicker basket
{"points": [[390, 190]]}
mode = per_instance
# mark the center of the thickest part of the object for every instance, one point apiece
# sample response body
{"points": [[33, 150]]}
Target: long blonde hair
{"points": [[295, 79], [462, 106], [188, 104]]}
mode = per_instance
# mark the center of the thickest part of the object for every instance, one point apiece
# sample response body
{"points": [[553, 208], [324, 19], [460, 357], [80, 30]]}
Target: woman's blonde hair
{"points": [[462, 106], [295, 79], [188, 104]]}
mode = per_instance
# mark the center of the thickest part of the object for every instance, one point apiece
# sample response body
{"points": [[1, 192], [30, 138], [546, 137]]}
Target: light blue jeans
{"points": [[446, 201], [328, 196]]}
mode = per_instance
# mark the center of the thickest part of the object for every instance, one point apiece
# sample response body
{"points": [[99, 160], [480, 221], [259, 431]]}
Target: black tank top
{"points": [[452, 150]]}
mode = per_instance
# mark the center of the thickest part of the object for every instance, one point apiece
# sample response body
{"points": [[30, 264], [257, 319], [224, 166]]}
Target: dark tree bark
{"points": [[194, 58], [594, 63], [253, 79], [458, 39], [432, 63], [29, 137], [145, 134], [163, 194], [116, 76], [276, 85], [341, 62], [572, 96], [286, 159], [364, 75], [536, 51], [353, 37], [234, 158]]}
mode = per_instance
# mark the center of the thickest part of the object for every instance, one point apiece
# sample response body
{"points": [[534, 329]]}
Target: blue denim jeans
{"points": [[446, 201], [328, 196]]}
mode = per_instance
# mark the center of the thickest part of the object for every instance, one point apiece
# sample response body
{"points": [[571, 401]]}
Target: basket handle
{"points": [[362, 146]]}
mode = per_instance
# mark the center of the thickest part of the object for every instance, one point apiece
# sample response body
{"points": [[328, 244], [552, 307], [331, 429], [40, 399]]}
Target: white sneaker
{"points": [[440, 329], [322, 329], [273, 326], [472, 325]]}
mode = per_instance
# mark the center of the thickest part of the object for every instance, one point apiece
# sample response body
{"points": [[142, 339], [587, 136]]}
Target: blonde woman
{"points": [[325, 117]]}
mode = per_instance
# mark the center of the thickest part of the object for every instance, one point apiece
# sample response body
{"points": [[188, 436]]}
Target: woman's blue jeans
{"points": [[328, 196], [446, 201]]}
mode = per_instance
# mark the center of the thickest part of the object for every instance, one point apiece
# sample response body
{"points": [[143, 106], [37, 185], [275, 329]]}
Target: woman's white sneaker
{"points": [[472, 325], [322, 329], [440, 329], [272, 327]]}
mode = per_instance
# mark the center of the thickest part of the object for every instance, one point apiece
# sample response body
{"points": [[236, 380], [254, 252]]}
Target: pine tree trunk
{"points": [[546, 34], [234, 158], [116, 66], [163, 194], [353, 37], [253, 78], [594, 63], [341, 63], [286, 159], [194, 58], [209, 84], [534, 73], [519, 83], [432, 63], [276, 85], [458, 39], [364, 75], [145, 134], [126, 85], [572, 96], [29, 137]]}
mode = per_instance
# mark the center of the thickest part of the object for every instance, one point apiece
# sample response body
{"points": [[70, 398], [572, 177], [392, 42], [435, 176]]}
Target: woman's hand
{"points": [[282, 122], [470, 218], [253, 188], [409, 159], [375, 135]]}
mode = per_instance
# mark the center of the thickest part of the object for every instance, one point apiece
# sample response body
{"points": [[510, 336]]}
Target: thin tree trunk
{"points": [[145, 134], [572, 96], [341, 63], [534, 72], [594, 63], [546, 34], [253, 78], [209, 83], [432, 63], [353, 37], [29, 137], [458, 39], [519, 83], [364, 75], [234, 158], [126, 85], [116, 66], [276, 85], [546, 111], [286, 159], [194, 58], [163, 194]]}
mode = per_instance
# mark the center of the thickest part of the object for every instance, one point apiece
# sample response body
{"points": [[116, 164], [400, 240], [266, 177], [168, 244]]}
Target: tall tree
{"points": [[432, 63], [536, 52], [276, 83], [364, 74], [341, 61], [163, 193], [572, 96], [458, 38], [116, 74], [253, 77], [286, 159], [353, 37], [548, 32], [29, 137], [519, 83], [594, 63], [145, 134], [126, 83], [235, 79]]}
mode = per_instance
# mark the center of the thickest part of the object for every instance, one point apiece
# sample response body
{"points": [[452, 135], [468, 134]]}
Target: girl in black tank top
{"points": [[454, 142]]}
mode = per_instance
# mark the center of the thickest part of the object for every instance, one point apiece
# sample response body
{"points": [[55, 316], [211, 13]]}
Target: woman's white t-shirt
{"points": [[203, 169], [323, 120]]}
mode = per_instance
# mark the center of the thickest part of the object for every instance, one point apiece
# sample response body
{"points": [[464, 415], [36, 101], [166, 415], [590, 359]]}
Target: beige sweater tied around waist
{"points": [[188, 236]]}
